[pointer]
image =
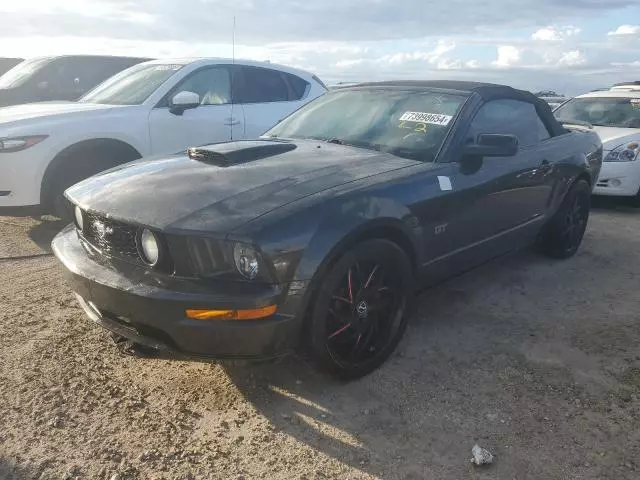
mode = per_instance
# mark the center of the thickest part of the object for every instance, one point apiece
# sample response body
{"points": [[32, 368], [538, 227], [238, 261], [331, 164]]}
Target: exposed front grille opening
{"points": [[153, 333], [112, 238], [5, 193]]}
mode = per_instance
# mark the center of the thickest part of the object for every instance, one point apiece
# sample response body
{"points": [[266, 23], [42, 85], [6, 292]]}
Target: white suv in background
{"points": [[615, 115], [158, 107]]}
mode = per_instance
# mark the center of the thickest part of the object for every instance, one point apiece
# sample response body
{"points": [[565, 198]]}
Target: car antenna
{"points": [[233, 71]]}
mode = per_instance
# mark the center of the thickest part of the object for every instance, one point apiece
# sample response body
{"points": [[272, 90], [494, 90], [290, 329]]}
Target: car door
{"points": [[214, 120], [501, 196], [267, 97]]}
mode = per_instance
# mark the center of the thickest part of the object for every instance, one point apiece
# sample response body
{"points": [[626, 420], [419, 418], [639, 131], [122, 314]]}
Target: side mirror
{"points": [[492, 145], [184, 101]]}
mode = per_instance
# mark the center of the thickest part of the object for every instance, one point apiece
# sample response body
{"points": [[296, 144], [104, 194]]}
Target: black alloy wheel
{"points": [[562, 237], [359, 315], [576, 222]]}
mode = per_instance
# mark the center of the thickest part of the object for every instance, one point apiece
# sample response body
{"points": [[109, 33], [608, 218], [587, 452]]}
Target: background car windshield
{"points": [[602, 111], [22, 72], [408, 124], [132, 86]]}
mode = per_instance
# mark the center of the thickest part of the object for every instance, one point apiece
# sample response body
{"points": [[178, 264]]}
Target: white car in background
{"points": [[615, 115], [157, 107]]}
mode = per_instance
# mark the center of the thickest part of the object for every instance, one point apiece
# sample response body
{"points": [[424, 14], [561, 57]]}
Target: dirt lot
{"points": [[536, 360]]}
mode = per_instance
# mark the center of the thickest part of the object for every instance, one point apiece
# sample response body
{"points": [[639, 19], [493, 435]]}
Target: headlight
{"points": [[246, 260], [79, 218], [149, 247], [624, 153], [8, 145]]}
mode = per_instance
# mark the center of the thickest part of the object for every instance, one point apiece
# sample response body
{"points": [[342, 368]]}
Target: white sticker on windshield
{"points": [[422, 117]]}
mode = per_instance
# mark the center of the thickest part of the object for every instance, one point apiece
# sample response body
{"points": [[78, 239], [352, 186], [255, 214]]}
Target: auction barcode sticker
{"points": [[422, 117]]}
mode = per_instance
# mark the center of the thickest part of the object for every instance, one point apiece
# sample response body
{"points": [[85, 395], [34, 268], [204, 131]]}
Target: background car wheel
{"points": [[359, 313], [77, 166], [563, 234]]}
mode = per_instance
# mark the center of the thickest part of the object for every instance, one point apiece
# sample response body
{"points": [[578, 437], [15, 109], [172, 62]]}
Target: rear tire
{"points": [[359, 314], [563, 235]]}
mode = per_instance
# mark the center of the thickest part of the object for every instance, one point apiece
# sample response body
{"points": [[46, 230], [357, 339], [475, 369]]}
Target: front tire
{"points": [[563, 235], [359, 314]]}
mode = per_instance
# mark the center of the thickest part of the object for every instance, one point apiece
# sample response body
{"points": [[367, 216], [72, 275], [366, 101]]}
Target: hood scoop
{"points": [[236, 153]]}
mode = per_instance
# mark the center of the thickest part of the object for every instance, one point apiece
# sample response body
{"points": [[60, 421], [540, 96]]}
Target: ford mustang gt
{"points": [[313, 237]]}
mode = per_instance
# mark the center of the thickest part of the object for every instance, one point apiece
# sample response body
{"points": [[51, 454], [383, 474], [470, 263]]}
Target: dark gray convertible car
{"points": [[314, 236]]}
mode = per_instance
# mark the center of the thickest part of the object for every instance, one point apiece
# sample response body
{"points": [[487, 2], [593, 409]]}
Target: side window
{"points": [[213, 85], [298, 86], [58, 74], [543, 131], [509, 117], [262, 85], [87, 73], [76, 74]]}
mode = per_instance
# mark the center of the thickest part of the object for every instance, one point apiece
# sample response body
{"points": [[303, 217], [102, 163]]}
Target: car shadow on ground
{"points": [[385, 424], [618, 204], [43, 231], [10, 471], [489, 357]]}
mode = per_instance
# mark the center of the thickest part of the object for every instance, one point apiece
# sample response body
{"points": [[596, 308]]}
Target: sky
{"points": [[569, 46]]}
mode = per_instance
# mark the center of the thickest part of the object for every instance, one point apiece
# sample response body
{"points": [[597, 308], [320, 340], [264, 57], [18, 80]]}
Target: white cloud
{"points": [[626, 30], [572, 59], [349, 41], [508, 56], [555, 34]]}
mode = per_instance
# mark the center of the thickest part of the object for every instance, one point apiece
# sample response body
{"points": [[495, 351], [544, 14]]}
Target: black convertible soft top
{"points": [[488, 91]]}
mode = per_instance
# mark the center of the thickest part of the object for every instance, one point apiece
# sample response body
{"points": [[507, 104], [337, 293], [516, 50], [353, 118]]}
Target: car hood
{"points": [[30, 111], [180, 193], [613, 137]]}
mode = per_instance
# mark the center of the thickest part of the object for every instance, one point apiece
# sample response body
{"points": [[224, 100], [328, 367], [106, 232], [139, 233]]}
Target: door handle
{"points": [[545, 166], [231, 121]]}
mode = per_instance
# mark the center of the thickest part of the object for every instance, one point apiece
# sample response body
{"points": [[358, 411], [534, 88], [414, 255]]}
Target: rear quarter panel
{"points": [[574, 154]]}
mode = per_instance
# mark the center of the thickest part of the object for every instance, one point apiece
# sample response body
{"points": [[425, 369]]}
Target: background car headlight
{"points": [[149, 247], [77, 212], [8, 145], [246, 260], [624, 153]]}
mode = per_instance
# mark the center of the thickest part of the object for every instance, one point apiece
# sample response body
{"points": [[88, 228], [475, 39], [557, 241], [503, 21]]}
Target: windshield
{"points": [[621, 112], [409, 124], [132, 86], [22, 72]]}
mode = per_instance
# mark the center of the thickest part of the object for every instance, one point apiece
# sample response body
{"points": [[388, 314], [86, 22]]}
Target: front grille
{"points": [[110, 237]]}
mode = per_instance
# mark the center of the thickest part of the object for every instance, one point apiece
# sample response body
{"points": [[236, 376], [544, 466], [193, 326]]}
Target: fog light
{"points": [[615, 182], [79, 218], [149, 247]]}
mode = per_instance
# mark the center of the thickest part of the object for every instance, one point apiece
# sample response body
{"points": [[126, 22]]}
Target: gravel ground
{"points": [[536, 360]]}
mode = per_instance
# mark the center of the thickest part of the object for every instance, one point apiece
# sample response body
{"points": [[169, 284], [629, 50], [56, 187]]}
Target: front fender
{"points": [[340, 229], [302, 245]]}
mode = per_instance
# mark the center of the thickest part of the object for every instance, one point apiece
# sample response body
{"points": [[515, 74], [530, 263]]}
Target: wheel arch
{"points": [[392, 229], [70, 153], [586, 177]]}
